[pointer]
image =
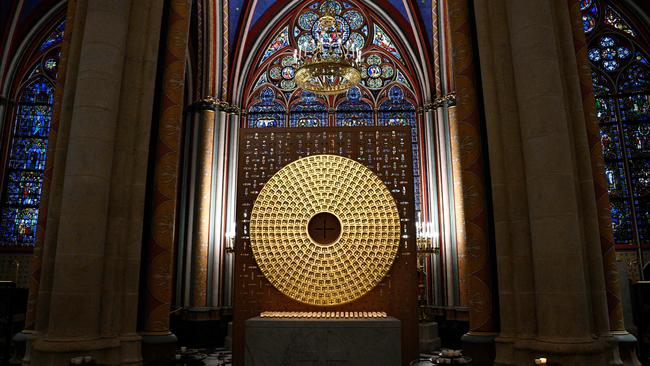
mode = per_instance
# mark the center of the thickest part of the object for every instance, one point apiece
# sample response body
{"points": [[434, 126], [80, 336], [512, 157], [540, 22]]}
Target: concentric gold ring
{"points": [[351, 265]]}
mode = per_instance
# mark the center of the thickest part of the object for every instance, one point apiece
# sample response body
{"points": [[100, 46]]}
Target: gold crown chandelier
{"points": [[328, 66]]}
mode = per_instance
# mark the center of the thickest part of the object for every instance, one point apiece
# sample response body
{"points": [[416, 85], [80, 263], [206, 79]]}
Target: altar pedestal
{"points": [[323, 342]]}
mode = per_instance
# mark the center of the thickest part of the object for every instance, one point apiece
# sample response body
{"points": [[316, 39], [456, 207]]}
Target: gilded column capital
{"points": [[215, 104], [448, 100]]}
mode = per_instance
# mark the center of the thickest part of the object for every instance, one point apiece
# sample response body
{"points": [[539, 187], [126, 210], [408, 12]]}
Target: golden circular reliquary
{"points": [[325, 230]]}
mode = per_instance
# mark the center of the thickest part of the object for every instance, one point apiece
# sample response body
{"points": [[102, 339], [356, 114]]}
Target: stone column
{"points": [[203, 205], [159, 246], [87, 297], [471, 184], [434, 211], [233, 120], [552, 290]]}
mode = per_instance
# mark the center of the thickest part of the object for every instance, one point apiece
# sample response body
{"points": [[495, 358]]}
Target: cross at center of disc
{"points": [[324, 228]]}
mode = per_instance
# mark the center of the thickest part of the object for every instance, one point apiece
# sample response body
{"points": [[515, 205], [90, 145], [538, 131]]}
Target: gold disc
{"points": [[325, 230]]}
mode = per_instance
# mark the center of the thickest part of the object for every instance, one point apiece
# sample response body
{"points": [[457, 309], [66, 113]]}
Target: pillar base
{"points": [[512, 351], [627, 346], [480, 347], [118, 350], [159, 349], [19, 341]]}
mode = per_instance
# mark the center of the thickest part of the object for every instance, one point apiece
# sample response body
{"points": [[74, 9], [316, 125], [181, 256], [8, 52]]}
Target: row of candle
{"points": [[324, 314]]}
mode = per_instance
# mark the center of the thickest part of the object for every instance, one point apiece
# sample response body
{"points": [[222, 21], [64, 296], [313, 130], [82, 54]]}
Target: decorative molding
{"points": [[445, 100], [214, 104]]}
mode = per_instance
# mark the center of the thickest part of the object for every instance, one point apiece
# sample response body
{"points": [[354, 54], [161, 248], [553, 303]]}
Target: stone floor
{"points": [[206, 357], [221, 357]]}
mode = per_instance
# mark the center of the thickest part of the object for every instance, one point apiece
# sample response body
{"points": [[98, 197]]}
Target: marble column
{"points": [[87, 297], [471, 184], [552, 288], [159, 246]]}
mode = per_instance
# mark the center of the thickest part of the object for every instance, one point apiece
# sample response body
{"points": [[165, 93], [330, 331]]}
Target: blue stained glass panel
{"points": [[331, 7], [621, 221], [637, 140], [635, 79], [33, 120], [602, 85], [280, 41], [354, 111], [267, 112], [39, 91], [28, 149], [24, 188], [610, 141], [588, 23], [307, 20], [635, 108], [309, 112], [19, 226], [354, 18], [54, 38], [615, 178], [28, 154], [606, 110]]}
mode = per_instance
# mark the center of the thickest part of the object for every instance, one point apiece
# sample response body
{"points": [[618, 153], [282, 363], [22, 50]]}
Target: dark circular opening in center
{"points": [[324, 228]]}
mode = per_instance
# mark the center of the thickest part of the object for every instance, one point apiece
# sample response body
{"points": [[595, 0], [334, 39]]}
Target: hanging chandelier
{"points": [[328, 66]]}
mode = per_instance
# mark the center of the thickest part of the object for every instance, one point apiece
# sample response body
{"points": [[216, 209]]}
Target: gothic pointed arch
{"points": [[27, 128], [256, 58], [388, 94]]}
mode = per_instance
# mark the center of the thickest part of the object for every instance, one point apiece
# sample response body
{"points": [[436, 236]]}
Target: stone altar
{"points": [[323, 342]]}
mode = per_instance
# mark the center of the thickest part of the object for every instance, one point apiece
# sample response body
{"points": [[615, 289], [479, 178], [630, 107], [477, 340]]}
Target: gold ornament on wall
{"points": [[325, 230]]}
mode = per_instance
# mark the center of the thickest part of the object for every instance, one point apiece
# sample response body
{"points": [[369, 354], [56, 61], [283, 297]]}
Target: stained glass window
{"points": [[354, 111], [621, 78], [267, 112], [53, 38], [382, 96], [377, 71], [382, 40], [381, 66], [280, 41], [309, 112], [28, 147]]}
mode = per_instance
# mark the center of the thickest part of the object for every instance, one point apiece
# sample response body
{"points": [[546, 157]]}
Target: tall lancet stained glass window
{"points": [[621, 76], [25, 166]]}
